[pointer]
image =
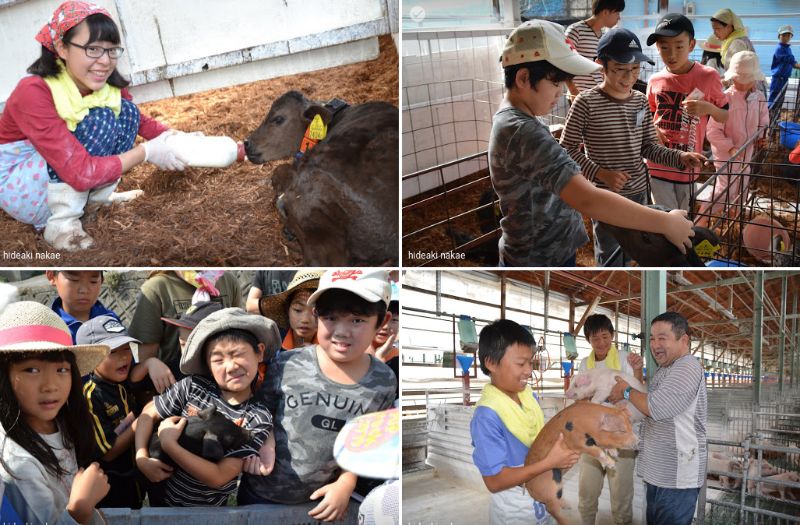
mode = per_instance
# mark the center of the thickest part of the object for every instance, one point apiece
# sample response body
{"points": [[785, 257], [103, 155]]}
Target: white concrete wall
{"points": [[182, 46]]}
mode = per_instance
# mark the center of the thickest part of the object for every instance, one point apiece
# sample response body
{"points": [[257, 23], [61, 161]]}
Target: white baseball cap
{"points": [[543, 40], [370, 285], [785, 29]]}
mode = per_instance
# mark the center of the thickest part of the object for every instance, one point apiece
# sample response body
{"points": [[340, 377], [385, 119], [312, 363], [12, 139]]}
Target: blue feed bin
{"points": [[790, 134], [465, 360]]}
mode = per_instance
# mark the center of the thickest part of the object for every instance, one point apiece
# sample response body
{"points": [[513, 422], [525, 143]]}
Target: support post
{"points": [[758, 330], [654, 302]]}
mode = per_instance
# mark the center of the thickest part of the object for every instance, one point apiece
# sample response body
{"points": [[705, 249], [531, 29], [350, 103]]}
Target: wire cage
{"points": [[753, 457], [450, 212], [751, 201]]}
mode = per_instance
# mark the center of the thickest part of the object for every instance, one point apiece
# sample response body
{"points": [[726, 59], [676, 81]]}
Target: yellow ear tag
{"points": [[706, 249], [317, 129]]}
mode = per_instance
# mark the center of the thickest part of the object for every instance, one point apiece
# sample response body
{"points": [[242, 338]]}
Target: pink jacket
{"points": [[747, 112]]}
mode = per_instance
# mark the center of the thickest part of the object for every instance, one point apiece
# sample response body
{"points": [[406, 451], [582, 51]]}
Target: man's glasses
{"points": [[97, 51]]}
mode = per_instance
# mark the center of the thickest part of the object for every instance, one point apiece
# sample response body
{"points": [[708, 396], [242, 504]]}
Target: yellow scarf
{"points": [[72, 107], [611, 360], [524, 421], [738, 33]]}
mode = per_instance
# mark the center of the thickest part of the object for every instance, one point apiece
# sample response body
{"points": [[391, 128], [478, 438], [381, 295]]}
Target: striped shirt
{"points": [[673, 451], [189, 396], [616, 134], [585, 41]]}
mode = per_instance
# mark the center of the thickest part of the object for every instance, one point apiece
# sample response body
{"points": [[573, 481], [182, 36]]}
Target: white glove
{"points": [[161, 154]]}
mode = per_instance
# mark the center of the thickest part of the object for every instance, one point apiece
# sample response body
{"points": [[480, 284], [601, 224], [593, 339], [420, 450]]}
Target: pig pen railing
{"points": [[246, 515], [757, 218], [760, 440], [450, 212]]}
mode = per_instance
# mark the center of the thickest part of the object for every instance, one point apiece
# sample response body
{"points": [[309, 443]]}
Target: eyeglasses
{"points": [[97, 51]]}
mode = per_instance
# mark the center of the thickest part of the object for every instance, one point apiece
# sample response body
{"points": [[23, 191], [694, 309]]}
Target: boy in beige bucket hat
{"points": [[42, 410], [221, 363], [542, 191]]}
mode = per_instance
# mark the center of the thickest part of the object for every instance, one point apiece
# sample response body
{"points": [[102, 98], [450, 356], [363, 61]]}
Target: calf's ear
{"points": [[207, 412], [316, 109]]}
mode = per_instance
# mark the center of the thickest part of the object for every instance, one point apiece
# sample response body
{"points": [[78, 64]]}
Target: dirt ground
{"points": [[208, 217]]}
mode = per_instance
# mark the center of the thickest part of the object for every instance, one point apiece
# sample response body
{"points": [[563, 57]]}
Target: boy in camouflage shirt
{"points": [[541, 190], [313, 391]]}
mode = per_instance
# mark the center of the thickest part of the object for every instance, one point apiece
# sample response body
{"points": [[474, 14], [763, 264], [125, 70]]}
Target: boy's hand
{"points": [[690, 159], [160, 374], [171, 429], [153, 469], [697, 108], [263, 463], [661, 137], [560, 456], [333, 506], [614, 179], [679, 230], [89, 486], [386, 347]]}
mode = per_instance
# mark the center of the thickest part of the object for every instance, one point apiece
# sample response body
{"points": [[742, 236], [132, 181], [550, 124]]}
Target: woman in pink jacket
{"points": [[747, 116]]}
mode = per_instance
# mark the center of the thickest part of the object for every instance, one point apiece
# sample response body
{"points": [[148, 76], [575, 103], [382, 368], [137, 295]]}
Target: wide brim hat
{"points": [[712, 44], [537, 40], [28, 326], [275, 306], [264, 329], [370, 285]]}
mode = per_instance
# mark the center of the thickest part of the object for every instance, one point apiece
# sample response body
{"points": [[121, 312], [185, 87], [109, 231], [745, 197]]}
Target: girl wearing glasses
{"points": [[67, 132]]}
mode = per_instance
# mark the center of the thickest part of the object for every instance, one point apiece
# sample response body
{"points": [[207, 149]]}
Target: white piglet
{"points": [[596, 384]]}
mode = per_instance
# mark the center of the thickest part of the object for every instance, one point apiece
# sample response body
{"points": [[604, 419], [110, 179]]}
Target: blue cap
{"points": [[621, 45]]}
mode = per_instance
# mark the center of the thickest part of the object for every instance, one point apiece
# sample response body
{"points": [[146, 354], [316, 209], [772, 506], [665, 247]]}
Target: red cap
{"points": [[240, 155]]}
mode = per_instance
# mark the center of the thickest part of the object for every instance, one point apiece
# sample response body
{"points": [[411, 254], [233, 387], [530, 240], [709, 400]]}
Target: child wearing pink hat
{"points": [[747, 115]]}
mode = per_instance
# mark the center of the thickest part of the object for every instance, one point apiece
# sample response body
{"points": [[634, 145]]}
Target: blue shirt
{"points": [[783, 61], [495, 446], [74, 324]]}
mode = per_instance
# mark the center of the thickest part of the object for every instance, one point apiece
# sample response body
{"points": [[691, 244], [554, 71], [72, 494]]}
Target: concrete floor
{"points": [[430, 499]]}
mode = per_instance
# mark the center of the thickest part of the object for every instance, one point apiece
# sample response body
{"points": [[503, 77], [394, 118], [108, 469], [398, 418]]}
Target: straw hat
{"points": [[265, 330], [28, 326], [276, 306]]}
